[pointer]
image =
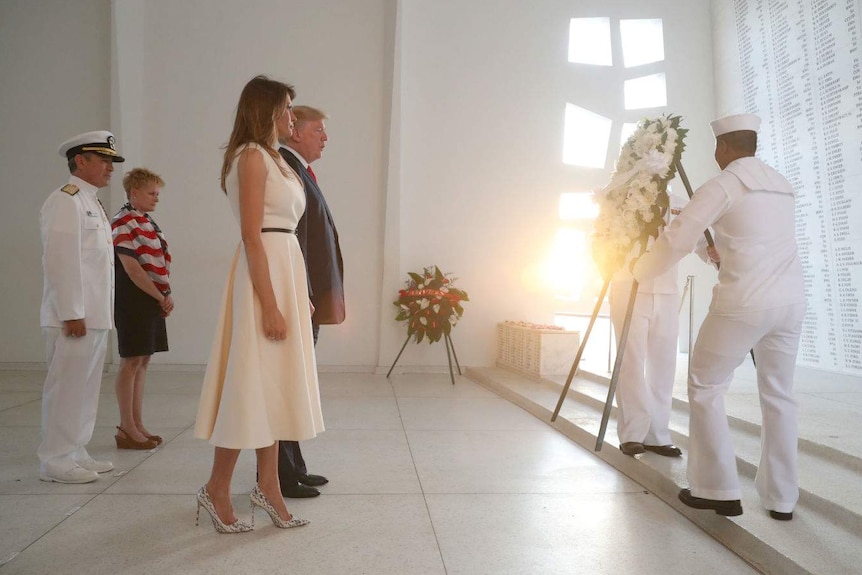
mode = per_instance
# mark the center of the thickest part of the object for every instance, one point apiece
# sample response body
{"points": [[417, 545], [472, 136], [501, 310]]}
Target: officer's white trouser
{"points": [[645, 387], [722, 345], [71, 395]]}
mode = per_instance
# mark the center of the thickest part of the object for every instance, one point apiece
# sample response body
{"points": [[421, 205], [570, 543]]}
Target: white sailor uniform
{"points": [[645, 388], [758, 303], [77, 262]]}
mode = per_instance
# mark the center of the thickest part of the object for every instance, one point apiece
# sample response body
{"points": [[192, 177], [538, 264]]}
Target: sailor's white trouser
{"points": [[722, 345]]}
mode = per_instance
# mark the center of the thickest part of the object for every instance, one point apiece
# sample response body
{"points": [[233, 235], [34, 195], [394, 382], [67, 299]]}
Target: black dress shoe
{"points": [[781, 516], [666, 450], [632, 448], [312, 480], [298, 491], [729, 508]]}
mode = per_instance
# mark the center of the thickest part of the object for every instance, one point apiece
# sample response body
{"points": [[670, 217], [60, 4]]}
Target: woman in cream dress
{"points": [[261, 379]]}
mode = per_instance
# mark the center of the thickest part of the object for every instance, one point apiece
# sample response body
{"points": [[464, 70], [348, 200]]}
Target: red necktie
{"points": [[311, 173]]}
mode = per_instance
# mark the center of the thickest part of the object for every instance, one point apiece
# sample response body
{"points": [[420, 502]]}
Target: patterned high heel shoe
{"points": [[259, 499], [205, 502]]}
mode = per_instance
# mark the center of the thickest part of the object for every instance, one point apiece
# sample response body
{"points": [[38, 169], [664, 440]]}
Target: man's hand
{"points": [[75, 328]]}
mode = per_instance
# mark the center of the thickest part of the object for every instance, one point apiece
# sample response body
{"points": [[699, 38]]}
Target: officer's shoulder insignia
{"points": [[70, 189]]}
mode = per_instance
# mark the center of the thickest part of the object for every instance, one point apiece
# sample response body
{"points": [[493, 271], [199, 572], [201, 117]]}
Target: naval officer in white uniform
{"points": [[758, 303], [645, 390], [77, 308]]}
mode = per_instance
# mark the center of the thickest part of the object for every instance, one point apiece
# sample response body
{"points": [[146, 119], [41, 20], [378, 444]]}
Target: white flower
{"points": [[436, 308], [650, 192], [671, 136], [644, 178], [637, 202], [423, 320], [656, 163], [647, 215], [627, 205], [424, 303]]}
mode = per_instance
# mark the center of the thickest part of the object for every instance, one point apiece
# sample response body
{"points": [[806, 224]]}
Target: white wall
{"points": [[54, 61], [483, 93], [191, 61], [445, 142]]}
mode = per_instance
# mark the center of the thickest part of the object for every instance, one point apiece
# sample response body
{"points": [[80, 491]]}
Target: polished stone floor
{"points": [[425, 478]]}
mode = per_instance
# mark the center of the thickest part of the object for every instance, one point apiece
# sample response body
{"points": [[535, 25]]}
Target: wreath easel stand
{"points": [[615, 375], [606, 413], [447, 339], [431, 306]]}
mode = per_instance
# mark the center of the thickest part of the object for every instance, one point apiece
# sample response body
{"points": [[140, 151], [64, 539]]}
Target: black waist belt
{"points": [[279, 230]]}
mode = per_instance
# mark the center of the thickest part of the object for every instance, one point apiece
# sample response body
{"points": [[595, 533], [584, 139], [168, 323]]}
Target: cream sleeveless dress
{"points": [[257, 391]]}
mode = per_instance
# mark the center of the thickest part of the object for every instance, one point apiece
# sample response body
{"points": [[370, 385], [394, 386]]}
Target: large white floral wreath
{"points": [[632, 206]]}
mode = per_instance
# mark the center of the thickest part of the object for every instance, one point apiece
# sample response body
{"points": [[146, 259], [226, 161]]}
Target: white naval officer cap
{"points": [[735, 123], [99, 142]]}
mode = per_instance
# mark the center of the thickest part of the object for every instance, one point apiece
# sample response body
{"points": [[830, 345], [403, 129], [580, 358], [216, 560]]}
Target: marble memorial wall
{"points": [[799, 69]]}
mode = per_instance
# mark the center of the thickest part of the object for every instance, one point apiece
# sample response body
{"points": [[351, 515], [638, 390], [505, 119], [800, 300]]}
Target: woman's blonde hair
{"points": [[137, 178], [261, 102]]}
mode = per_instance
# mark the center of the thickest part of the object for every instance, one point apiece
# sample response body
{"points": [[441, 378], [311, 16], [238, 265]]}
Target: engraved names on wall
{"points": [[800, 71]]}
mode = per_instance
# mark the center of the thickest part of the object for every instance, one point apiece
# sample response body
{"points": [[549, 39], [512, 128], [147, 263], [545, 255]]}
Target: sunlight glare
{"points": [[566, 267], [578, 206]]}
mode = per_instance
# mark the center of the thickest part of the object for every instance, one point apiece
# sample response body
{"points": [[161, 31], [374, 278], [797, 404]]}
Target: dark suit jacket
{"points": [[318, 239]]}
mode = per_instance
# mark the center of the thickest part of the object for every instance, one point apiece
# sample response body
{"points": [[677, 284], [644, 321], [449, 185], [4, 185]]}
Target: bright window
{"points": [[643, 42], [628, 130], [568, 264], [590, 41], [646, 92], [585, 138]]}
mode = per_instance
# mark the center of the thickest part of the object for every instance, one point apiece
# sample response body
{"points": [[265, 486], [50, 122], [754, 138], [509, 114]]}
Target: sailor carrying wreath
{"points": [[430, 304], [632, 207]]}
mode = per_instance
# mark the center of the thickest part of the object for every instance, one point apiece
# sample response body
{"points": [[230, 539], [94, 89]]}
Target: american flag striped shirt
{"points": [[137, 235]]}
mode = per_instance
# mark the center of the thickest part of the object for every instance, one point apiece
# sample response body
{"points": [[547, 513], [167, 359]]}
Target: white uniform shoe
{"points": [[91, 464], [75, 474]]}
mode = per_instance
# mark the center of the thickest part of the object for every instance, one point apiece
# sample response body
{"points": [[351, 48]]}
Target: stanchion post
{"points": [[690, 320]]}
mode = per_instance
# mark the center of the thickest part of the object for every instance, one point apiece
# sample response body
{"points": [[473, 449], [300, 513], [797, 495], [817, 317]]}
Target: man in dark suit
{"points": [[318, 238]]}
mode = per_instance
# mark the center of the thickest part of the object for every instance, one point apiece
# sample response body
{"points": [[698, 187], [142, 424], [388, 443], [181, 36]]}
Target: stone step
{"points": [[828, 477], [825, 536]]}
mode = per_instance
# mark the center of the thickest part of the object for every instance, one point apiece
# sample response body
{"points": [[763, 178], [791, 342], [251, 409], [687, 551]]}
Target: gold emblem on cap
{"points": [[99, 150], [111, 142]]}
